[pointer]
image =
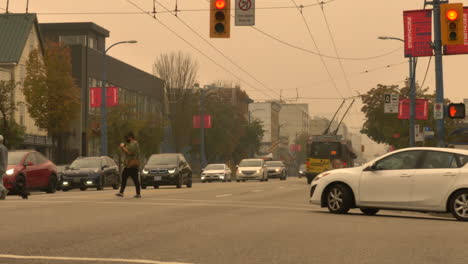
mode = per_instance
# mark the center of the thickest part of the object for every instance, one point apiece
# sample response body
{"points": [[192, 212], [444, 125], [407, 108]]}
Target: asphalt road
{"points": [[217, 223]]}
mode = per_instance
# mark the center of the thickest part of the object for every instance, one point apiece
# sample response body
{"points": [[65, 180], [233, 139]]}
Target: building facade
{"points": [[294, 121], [87, 42], [268, 114], [19, 35]]}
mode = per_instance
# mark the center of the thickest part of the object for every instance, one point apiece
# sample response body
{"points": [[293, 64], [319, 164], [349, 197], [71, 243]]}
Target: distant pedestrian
{"points": [[131, 151], [3, 167]]}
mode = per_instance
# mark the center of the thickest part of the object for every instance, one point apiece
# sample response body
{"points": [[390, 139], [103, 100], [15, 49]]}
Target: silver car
{"points": [[252, 169], [216, 172]]}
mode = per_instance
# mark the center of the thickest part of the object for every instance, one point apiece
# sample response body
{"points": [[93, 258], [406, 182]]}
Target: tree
{"points": [[387, 128], [12, 132], [179, 71], [52, 97]]}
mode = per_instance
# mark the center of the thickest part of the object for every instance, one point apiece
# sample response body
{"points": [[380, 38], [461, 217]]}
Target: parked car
{"points": [[416, 179], [60, 170], [251, 169], [31, 168], [166, 169], [216, 172], [91, 172], [302, 170], [276, 169]]}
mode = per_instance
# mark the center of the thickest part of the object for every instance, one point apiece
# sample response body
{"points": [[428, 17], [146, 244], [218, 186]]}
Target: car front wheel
{"points": [[459, 205], [339, 199]]}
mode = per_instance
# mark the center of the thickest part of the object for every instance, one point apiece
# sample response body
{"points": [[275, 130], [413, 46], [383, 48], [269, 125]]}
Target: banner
{"points": [[206, 121], [418, 33], [95, 95], [422, 106]]}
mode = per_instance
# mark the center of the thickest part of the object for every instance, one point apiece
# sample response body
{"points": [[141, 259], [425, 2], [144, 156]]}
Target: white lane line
{"points": [[223, 195], [282, 187], [5, 256], [255, 191]]}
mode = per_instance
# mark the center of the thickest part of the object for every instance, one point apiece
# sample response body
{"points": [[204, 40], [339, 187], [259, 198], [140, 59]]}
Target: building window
{"points": [[73, 40], [92, 43]]}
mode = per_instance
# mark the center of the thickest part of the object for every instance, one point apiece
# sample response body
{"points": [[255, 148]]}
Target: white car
{"points": [[413, 179], [252, 169], [216, 172]]}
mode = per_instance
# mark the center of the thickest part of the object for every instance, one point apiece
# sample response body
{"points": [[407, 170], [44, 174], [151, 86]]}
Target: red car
{"points": [[31, 167]]}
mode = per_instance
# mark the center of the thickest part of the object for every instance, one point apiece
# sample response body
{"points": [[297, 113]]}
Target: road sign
{"points": [[245, 12], [422, 106], [438, 111], [391, 103], [418, 136]]}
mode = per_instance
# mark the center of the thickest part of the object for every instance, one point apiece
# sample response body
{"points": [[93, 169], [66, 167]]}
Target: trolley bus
{"points": [[327, 152]]}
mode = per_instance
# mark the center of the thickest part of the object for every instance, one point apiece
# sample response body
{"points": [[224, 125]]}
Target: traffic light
{"points": [[456, 110], [220, 18], [451, 24]]}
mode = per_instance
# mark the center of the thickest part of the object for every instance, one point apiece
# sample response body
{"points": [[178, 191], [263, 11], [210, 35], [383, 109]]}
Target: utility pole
{"points": [[412, 95], [202, 132], [438, 69]]}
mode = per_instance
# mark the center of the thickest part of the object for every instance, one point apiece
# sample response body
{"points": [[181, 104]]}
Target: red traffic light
{"points": [[220, 4], [452, 14]]}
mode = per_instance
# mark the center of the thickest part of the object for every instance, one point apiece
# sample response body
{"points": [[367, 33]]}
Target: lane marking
{"points": [[5, 256], [223, 195], [256, 191]]}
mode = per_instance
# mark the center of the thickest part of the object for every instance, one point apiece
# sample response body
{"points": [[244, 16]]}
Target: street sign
{"points": [[95, 96], [391, 103], [197, 121], [438, 111], [418, 136], [245, 12], [418, 33]]}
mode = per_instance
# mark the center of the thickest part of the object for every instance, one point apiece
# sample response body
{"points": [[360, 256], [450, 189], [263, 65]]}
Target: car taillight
{"points": [[344, 164]]}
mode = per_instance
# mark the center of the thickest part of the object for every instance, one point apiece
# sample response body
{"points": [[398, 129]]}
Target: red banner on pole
{"points": [[206, 121], [95, 96], [418, 33], [460, 49], [422, 106]]}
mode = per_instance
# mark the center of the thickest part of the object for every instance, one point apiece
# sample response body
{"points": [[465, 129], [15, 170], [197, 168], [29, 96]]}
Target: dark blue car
{"points": [[91, 172]]}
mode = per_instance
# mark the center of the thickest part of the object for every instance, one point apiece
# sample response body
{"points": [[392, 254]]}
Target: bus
{"points": [[328, 152]]}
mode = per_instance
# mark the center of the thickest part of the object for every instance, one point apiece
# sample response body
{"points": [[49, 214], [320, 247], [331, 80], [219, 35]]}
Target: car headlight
{"points": [[145, 171], [320, 176], [277, 170], [301, 172], [172, 171], [96, 170], [221, 175], [258, 171], [10, 172]]}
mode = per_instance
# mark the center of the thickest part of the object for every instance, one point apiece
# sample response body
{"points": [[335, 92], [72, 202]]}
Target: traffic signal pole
{"points": [[202, 131], [440, 125], [412, 95]]}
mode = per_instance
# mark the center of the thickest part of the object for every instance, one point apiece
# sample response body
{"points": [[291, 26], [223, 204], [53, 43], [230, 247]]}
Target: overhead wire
{"points": [[427, 70], [217, 50], [195, 48], [318, 49]]}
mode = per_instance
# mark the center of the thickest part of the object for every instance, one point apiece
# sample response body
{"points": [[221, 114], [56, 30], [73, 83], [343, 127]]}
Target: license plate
{"points": [[157, 178], [76, 179]]}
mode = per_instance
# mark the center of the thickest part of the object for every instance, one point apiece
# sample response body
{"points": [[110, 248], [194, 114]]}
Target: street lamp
{"points": [[412, 92], [104, 98]]}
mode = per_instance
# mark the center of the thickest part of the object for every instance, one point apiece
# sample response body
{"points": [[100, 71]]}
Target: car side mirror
{"points": [[372, 167], [29, 163], [105, 167]]}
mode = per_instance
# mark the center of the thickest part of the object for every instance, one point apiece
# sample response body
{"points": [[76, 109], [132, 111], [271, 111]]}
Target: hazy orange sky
{"points": [[355, 26]]}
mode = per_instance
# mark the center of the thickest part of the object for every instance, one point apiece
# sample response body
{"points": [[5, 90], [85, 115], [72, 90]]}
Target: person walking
{"points": [[131, 151], [3, 167]]}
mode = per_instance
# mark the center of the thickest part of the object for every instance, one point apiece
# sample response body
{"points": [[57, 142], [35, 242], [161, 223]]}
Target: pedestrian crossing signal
{"points": [[456, 110], [220, 17]]}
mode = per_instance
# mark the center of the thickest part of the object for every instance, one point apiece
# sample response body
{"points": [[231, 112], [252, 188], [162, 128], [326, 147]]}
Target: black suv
{"points": [[87, 172], [166, 169]]}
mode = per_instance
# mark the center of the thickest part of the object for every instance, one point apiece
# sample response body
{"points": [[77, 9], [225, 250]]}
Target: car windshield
{"points": [[250, 163], [86, 163], [215, 167], [162, 160], [274, 164], [14, 158]]}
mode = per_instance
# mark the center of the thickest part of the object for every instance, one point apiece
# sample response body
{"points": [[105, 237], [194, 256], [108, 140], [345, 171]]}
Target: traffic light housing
{"points": [[220, 18], [456, 110], [451, 24]]}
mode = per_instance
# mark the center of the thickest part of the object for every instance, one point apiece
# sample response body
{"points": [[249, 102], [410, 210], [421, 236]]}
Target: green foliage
{"points": [[11, 131], [52, 97], [387, 128]]}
